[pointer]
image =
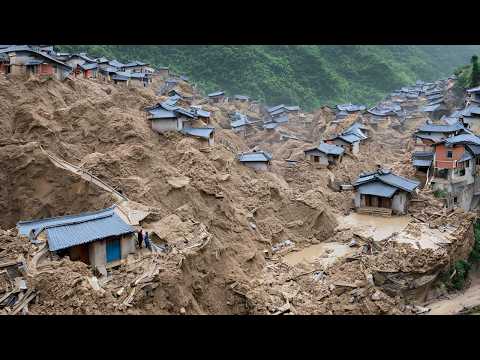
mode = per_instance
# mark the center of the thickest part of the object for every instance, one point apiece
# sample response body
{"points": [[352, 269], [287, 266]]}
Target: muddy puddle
{"points": [[324, 254], [377, 227]]}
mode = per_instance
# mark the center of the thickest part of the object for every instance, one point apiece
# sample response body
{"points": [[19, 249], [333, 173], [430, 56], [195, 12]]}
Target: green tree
{"points": [[475, 76]]}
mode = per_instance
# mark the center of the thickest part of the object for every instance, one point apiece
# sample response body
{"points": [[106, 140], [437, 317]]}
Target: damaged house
{"points": [[324, 154], [470, 117], [383, 193], [258, 160], [204, 133], [242, 125], [379, 114], [96, 238], [166, 117], [436, 109], [473, 95], [344, 110], [350, 139]]}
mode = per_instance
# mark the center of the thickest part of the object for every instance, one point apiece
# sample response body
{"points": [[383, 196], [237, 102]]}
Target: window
{"points": [[477, 161], [316, 159], [455, 200], [467, 163], [441, 173], [449, 154]]}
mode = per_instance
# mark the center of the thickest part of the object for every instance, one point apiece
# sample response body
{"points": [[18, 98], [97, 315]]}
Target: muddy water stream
{"points": [[325, 254], [378, 227]]}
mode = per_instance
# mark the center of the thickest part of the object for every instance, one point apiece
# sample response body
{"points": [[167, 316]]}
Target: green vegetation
{"points": [[474, 257], [440, 194], [458, 274], [475, 74], [307, 75]]}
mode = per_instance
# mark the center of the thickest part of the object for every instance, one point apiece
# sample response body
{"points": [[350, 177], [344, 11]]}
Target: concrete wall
{"points": [[356, 147], [400, 203], [98, 253], [164, 125], [357, 199], [322, 158], [441, 159], [127, 245], [262, 166]]}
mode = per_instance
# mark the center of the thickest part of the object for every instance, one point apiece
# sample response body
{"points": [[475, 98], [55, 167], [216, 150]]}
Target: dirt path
{"points": [[470, 298]]}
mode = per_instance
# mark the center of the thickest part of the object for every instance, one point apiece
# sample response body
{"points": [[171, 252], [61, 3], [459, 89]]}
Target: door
{"points": [[113, 250]]}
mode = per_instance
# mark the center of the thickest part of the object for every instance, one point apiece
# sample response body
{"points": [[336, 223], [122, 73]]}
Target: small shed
{"points": [[206, 133], [217, 97], [258, 160], [435, 109], [96, 238], [325, 154], [241, 98], [347, 141], [383, 193]]}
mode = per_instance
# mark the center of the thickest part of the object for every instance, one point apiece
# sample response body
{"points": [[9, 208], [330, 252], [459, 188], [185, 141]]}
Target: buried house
{"points": [[205, 133], [166, 117], [325, 154], [383, 193], [258, 160], [96, 238], [349, 140]]}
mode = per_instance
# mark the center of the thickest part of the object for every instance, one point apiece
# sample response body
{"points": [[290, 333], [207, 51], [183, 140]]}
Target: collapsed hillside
{"points": [[222, 219]]}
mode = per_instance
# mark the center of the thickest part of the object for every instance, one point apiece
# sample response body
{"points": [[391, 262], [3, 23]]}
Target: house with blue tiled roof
{"points": [[96, 238], [20, 60], [258, 160], [324, 154], [383, 193]]}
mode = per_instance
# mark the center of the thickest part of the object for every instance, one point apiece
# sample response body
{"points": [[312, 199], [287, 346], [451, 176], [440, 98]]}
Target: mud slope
{"points": [[103, 129]]}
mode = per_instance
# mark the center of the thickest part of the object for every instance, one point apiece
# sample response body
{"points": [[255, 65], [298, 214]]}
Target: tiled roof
{"points": [[256, 156], [67, 231]]}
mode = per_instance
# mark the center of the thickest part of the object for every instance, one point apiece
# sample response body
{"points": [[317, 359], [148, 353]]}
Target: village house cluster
{"points": [[42, 60], [447, 154]]}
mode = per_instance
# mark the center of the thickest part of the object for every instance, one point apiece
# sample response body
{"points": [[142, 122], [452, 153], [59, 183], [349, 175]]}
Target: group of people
{"points": [[144, 238]]}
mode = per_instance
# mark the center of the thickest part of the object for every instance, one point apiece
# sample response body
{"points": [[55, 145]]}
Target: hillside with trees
{"points": [[307, 75]]}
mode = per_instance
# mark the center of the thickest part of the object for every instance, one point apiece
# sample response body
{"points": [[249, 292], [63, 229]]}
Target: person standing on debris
{"points": [[140, 238], [147, 241]]}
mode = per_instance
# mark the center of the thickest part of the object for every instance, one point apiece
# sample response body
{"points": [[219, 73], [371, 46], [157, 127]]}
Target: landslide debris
{"points": [[219, 222]]}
